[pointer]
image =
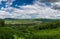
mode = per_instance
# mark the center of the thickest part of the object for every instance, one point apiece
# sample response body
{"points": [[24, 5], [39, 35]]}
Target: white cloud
{"points": [[56, 6], [40, 11], [8, 3], [49, 0], [4, 14], [37, 10]]}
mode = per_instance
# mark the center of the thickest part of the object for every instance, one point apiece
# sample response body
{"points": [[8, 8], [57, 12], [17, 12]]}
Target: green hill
{"points": [[30, 30]]}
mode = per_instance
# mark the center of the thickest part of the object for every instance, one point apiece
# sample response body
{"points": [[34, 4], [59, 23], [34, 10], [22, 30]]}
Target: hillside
{"points": [[32, 30]]}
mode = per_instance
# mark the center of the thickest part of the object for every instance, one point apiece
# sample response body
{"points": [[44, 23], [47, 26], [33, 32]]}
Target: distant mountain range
{"points": [[44, 20]]}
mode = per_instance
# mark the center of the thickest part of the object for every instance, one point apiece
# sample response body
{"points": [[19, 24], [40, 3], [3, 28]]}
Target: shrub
{"points": [[2, 22]]}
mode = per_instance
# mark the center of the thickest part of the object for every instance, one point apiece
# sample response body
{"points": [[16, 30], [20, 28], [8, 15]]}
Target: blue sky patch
{"points": [[21, 3]]}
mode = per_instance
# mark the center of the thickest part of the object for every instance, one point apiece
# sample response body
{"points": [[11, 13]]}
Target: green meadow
{"points": [[29, 29]]}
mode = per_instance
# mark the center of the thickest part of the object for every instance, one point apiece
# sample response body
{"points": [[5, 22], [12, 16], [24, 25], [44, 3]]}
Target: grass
{"points": [[41, 34], [44, 30], [48, 34]]}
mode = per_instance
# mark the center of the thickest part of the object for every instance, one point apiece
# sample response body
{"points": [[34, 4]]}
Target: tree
{"points": [[2, 22]]}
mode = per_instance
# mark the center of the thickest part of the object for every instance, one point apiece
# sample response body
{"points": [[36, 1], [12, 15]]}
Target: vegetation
{"points": [[2, 22], [29, 29]]}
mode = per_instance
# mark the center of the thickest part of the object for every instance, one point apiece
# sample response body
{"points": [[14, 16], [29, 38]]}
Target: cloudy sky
{"points": [[27, 9]]}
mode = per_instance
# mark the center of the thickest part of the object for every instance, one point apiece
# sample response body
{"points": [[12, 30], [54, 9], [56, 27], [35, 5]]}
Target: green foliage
{"points": [[29, 29], [2, 22]]}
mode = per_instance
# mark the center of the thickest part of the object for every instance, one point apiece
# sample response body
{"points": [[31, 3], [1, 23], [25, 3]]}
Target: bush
{"points": [[2, 22]]}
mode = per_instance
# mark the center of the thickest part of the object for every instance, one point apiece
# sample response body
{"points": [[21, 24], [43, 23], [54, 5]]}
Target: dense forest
{"points": [[29, 29]]}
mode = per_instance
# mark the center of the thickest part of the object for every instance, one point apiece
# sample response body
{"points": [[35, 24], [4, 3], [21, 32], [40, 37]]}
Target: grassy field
{"points": [[30, 29]]}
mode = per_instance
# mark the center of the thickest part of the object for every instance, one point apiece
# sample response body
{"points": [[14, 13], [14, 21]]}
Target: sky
{"points": [[29, 9]]}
